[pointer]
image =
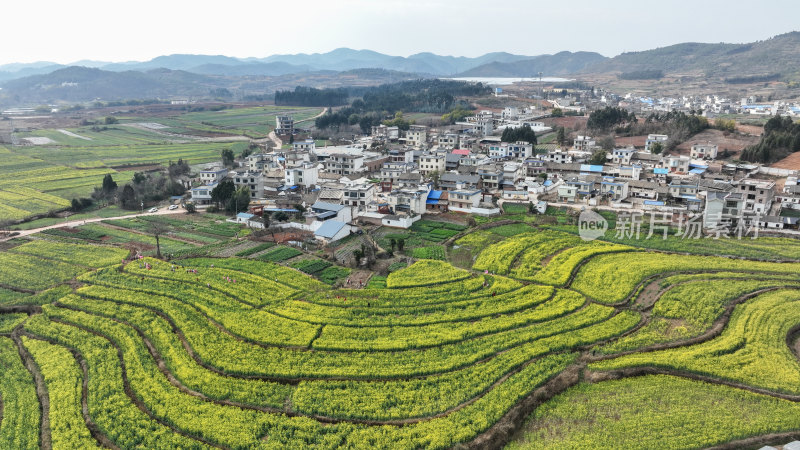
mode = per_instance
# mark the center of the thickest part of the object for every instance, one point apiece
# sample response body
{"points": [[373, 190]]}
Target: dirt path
{"points": [[75, 223]]}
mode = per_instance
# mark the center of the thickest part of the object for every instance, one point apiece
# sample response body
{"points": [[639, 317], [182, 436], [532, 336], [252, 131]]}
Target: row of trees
{"points": [[523, 133], [308, 96], [382, 103], [781, 137], [610, 117]]}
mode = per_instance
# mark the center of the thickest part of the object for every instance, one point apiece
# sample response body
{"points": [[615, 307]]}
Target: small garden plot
{"points": [[511, 229], [333, 274], [311, 266], [377, 282], [253, 250], [436, 231], [430, 252], [280, 254], [515, 208]]}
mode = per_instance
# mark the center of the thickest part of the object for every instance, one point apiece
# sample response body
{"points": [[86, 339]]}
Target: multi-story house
{"points": [[583, 143], [417, 135], [491, 176], [653, 138], [358, 194], [757, 195], [464, 199], [432, 162], [213, 175], [304, 174], [447, 141], [306, 145], [344, 164], [707, 151], [284, 125], [253, 180]]}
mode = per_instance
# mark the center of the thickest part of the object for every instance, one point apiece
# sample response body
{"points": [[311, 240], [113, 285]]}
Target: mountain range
{"points": [[338, 60], [195, 75]]}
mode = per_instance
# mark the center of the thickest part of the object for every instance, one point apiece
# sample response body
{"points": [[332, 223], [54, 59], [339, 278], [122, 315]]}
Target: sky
{"points": [[65, 32]]}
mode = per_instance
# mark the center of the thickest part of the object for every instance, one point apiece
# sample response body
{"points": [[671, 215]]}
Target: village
{"points": [[394, 177]]}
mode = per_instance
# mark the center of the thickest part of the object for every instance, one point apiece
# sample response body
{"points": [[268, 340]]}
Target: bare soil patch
{"points": [[631, 141], [791, 162], [733, 142]]}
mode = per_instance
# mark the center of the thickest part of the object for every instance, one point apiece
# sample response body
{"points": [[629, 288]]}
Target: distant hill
{"points": [[341, 59], [780, 54], [563, 63], [426, 63], [250, 69], [80, 84]]}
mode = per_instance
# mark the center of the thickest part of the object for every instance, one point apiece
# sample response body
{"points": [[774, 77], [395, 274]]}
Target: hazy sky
{"points": [[108, 30]]}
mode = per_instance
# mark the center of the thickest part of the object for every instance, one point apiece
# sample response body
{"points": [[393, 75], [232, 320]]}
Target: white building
{"points": [[344, 164], [653, 138], [432, 162], [213, 175], [448, 141], [583, 143], [417, 135], [304, 145], [305, 174], [253, 180], [707, 151], [201, 195]]}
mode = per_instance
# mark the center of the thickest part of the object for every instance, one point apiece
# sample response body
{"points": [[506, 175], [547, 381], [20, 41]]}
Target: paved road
{"points": [[76, 223]]}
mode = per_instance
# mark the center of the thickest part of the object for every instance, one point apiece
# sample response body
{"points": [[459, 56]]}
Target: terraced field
{"points": [[245, 353]]}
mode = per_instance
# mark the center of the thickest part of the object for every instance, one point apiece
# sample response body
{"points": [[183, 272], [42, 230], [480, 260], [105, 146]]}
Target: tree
{"points": [[557, 112], [109, 185], [158, 228], [357, 255], [128, 197], [281, 216], [608, 117], [392, 243], [435, 177], [265, 217], [598, 158], [561, 136], [111, 120], [524, 133], [139, 178], [76, 205], [400, 244], [191, 208], [240, 200], [223, 192], [608, 143], [656, 148], [227, 157]]}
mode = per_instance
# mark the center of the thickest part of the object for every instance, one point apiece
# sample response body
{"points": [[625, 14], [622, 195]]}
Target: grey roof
{"points": [[463, 178], [452, 158], [642, 184], [329, 229], [794, 445], [325, 206]]}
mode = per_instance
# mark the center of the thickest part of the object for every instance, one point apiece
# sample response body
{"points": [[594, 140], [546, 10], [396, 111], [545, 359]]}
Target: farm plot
{"points": [[254, 351]]}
